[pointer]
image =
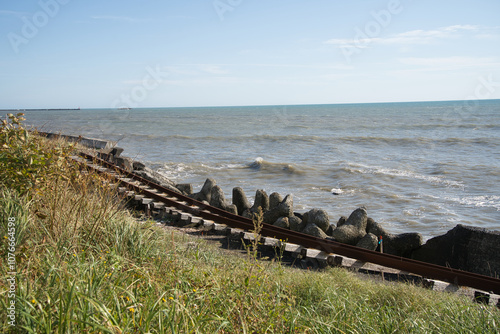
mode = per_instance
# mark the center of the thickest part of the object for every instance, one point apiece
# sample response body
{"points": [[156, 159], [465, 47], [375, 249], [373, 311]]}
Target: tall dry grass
{"points": [[84, 265]]}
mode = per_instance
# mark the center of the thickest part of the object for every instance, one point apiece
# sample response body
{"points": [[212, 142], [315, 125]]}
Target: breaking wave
{"points": [[259, 164]]}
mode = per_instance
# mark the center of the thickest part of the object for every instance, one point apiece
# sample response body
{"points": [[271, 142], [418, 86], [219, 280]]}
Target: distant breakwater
{"points": [[48, 109]]}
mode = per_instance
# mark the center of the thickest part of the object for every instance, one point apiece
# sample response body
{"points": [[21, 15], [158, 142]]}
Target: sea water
{"points": [[416, 167]]}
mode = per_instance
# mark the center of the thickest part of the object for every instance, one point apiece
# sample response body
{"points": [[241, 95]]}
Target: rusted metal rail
{"points": [[199, 209]]}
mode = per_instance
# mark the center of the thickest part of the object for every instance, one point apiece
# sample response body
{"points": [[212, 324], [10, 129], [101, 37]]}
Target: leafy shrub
{"points": [[25, 161]]}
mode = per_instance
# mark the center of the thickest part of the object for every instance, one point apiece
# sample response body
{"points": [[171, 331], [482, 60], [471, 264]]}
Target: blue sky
{"points": [[159, 53]]}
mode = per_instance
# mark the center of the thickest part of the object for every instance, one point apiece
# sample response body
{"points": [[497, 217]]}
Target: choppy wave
{"points": [[414, 141], [401, 173], [453, 125], [183, 171], [178, 171], [410, 142], [230, 138]]}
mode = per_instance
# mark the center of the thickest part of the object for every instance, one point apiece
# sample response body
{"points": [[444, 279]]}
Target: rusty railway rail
{"points": [[188, 205]]}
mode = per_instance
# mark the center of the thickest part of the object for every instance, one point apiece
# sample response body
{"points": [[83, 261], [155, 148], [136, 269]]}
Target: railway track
{"points": [[154, 197]]}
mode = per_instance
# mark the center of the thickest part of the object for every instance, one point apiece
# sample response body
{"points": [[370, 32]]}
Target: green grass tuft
{"points": [[85, 265]]}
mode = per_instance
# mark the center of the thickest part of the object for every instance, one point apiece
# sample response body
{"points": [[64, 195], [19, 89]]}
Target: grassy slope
{"points": [[85, 266]]}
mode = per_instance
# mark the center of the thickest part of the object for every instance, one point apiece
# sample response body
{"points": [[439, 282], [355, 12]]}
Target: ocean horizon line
{"points": [[251, 106]]}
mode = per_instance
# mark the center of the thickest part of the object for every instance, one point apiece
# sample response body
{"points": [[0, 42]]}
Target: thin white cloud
{"points": [[439, 64], [333, 66], [210, 82], [442, 61], [197, 69], [119, 18], [213, 69], [428, 36], [409, 37], [228, 74], [487, 36], [12, 13], [204, 81], [227, 69], [179, 17]]}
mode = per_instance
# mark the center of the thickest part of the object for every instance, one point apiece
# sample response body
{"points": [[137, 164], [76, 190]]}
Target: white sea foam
{"points": [[486, 201], [336, 191], [175, 172], [222, 167], [413, 212], [378, 170]]}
